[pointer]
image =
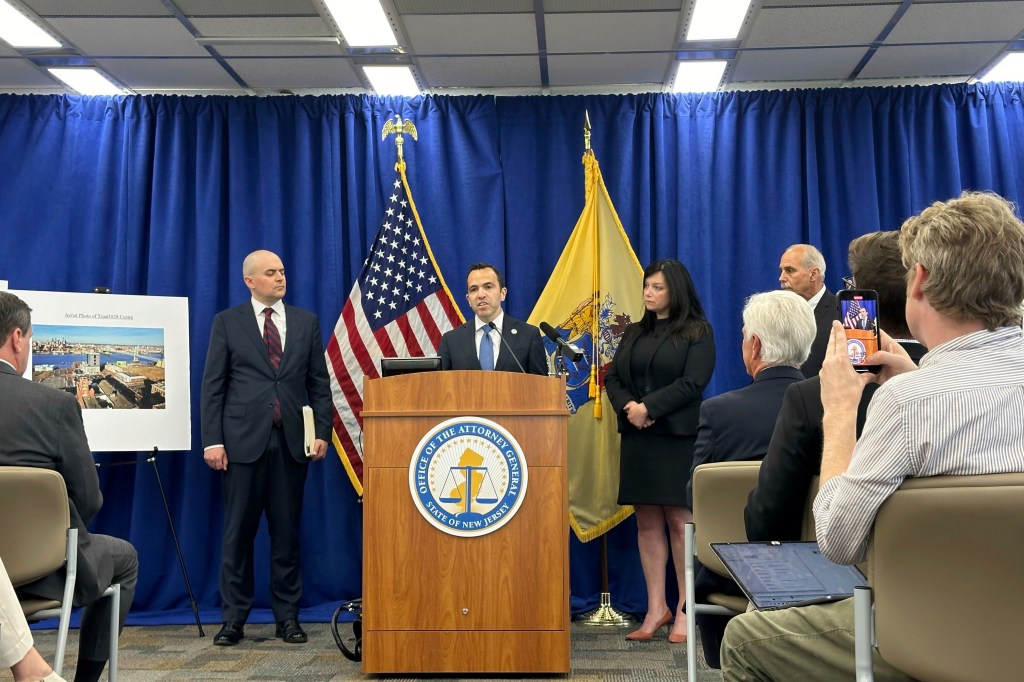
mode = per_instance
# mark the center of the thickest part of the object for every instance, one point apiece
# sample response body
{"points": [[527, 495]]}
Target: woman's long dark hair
{"points": [[685, 313]]}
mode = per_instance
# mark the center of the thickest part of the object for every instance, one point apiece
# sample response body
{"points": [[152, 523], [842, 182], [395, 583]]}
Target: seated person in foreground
{"points": [[42, 427], [778, 328], [16, 650], [959, 414], [775, 508]]}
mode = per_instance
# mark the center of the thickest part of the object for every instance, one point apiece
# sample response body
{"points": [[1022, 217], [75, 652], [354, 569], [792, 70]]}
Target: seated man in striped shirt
{"points": [[958, 414]]}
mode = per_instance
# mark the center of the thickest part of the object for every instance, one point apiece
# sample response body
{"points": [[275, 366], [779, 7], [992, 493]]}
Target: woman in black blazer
{"points": [[655, 384]]}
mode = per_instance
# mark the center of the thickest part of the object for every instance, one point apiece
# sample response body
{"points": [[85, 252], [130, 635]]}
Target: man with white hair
{"points": [[778, 328], [802, 271]]}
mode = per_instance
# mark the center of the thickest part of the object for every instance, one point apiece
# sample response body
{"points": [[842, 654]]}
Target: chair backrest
{"points": [[34, 519], [720, 493], [945, 563]]}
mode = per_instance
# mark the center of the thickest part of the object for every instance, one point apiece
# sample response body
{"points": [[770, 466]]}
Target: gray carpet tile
{"points": [[176, 652]]}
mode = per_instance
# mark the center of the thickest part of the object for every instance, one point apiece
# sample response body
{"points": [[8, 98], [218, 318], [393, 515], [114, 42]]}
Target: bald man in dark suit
{"points": [[265, 361]]}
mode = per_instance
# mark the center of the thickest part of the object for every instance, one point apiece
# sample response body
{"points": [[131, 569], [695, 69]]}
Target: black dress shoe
{"points": [[230, 634], [290, 631]]}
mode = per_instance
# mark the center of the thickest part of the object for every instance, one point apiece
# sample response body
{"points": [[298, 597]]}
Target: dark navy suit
{"points": [[825, 313], [266, 465], [458, 348], [734, 426]]}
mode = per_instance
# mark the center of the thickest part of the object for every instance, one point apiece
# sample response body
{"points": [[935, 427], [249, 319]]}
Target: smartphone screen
{"points": [[858, 311]]}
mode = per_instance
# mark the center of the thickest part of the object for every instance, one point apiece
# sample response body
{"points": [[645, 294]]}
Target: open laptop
{"points": [[775, 575]]}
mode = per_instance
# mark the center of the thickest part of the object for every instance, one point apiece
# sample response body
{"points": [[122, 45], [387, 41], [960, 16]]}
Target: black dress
{"points": [[654, 466]]}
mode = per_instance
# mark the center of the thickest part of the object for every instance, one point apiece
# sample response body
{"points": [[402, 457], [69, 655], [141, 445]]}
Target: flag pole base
{"points": [[605, 614]]}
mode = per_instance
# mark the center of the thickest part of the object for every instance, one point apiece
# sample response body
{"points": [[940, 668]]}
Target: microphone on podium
{"points": [[507, 347], [568, 350]]}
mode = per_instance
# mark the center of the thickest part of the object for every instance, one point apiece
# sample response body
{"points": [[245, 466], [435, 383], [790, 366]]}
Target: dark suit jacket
{"points": [[825, 313], [42, 427], [458, 348], [671, 389], [775, 508], [738, 425], [239, 384]]}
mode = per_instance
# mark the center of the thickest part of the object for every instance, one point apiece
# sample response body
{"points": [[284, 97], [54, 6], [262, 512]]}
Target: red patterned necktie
{"points": [[272, 339]]}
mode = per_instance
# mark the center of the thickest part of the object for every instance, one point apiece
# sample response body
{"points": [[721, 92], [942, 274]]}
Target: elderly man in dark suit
{"points": [[492, 339], [42, 427], [802, 270], [778, 328], [265, 361]]}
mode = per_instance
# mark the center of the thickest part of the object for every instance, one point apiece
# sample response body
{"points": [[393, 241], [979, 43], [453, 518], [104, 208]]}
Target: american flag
{"points": [[399, 306], [852, 312]]}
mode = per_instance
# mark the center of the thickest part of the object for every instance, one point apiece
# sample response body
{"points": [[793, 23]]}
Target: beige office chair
{"points": [[944, 563], [720, 493], [36, 539]]}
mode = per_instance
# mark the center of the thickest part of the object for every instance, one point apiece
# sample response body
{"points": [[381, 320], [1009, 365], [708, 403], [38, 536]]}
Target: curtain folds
{"points": [[164, 195]]}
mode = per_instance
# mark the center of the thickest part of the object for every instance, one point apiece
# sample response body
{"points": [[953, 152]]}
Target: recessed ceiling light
{"points": [[392, 80], [717, 19], [1009, 68], [699, 75], [362, 22], [87, 81], [17, 30]]}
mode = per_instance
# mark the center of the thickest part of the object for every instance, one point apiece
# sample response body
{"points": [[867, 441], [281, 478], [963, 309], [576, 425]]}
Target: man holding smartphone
{"points": [[975, 365]]}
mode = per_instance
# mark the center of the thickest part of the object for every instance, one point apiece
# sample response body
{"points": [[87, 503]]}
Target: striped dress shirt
{"points": [[960, 413]]}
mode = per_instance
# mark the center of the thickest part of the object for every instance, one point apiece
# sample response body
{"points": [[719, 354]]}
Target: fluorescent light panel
{"points": [[362, 22], [717, 19], [17, 30], [392, 80], [87, 81], [699, 75], [1009, 68]]}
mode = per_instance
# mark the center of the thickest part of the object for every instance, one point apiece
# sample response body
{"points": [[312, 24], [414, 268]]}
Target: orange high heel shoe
{"points": [[673, 638], [642, 635]]}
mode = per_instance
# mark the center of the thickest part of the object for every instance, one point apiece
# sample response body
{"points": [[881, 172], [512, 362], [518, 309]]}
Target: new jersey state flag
{"points": [[593, 293]]}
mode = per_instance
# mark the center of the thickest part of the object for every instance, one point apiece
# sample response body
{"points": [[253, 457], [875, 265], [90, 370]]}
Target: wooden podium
{"points": [[438, 603]]}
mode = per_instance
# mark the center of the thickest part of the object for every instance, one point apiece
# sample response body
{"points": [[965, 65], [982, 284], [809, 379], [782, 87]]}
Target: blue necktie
{"points": [[486, 350]]}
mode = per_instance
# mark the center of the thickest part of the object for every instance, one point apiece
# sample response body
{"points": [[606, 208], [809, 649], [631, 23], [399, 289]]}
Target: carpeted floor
{"points": [[176, 652]]}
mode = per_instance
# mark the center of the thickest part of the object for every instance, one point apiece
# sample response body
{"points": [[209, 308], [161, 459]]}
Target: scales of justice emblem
{"points": [[468, 476]]}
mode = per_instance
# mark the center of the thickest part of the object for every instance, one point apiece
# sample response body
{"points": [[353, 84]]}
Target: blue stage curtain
{"points": [[164, 195]]}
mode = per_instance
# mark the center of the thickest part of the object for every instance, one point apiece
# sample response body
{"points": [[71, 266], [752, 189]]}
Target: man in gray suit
{"points": [[802, 270], [265, 361], [492, 340], [42, 427]]}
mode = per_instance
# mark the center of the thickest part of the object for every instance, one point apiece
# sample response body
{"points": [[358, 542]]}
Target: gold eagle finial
{"points": [[398, 127]]}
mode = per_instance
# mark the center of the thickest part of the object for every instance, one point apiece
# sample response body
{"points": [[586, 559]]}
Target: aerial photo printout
{"points": [[119, 368]]}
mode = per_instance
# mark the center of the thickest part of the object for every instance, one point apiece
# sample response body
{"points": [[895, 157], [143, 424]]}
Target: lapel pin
{"points": [[515, 331]]}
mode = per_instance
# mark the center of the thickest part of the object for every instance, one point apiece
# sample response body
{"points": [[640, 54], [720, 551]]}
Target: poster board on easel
{"points": [[126, 360]]}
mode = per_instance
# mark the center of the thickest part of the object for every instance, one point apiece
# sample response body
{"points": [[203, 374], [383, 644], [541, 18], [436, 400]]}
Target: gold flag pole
{"points": [[605, 614]]}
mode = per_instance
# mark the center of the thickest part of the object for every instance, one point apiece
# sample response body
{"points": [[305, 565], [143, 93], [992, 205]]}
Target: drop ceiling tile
{"points": [[607, 69], [229, 8], [20, 73], [129, 37], [407, 7], [619, 32], [959, 22], [808, 26], [480, 72], [263, 26], [825, 3], [471, 34], [272, 50], [169, 74], [913, 61], [98, 8], [297, 73], [796, 65]]}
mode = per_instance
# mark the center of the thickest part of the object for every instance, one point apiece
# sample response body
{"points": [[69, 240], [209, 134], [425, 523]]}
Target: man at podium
{"points": [[492, 340]]}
